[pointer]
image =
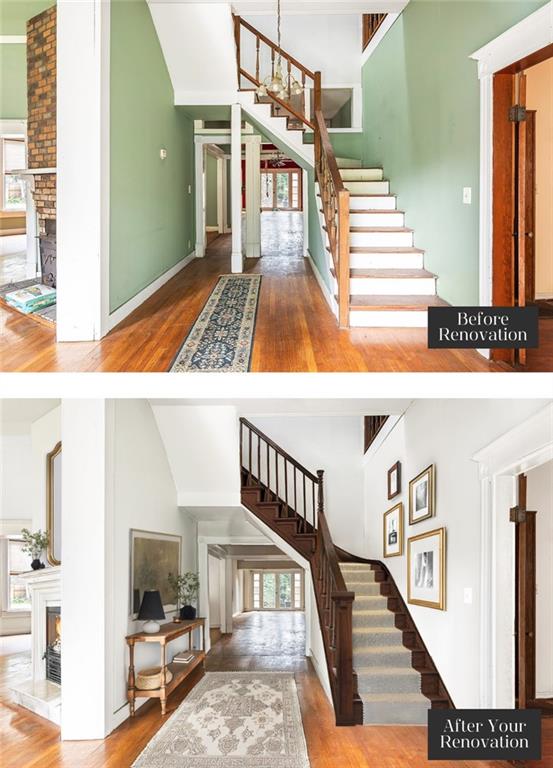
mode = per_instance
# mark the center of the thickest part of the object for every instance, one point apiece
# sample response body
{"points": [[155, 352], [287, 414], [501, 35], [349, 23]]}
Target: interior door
{"points": [[525, 599]]}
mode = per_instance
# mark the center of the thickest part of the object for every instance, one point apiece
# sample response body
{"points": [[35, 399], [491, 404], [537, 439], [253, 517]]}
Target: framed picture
{"points": [[392, 532], [426, 569], [153, 557], [421, 496], [394, 480]]}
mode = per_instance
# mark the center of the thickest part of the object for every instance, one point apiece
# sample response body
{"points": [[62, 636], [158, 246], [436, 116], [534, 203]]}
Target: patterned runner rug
{"points": [[221, 339], [233, 720]]}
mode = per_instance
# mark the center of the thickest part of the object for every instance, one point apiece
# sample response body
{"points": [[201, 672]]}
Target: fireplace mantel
{"points": [[38, 694]]}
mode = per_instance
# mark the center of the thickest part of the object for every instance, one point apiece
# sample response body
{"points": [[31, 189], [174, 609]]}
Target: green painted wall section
{"points": [[14, 15], [210, 190], [421, 124], [152, 211]]}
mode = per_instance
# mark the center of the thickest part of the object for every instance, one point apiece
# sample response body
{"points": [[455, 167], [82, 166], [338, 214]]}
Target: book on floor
{"points": [[32, 298]]}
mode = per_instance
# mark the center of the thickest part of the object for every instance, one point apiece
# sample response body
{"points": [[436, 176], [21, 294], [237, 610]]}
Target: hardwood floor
{"points": [[264, 641], [295, 329]]}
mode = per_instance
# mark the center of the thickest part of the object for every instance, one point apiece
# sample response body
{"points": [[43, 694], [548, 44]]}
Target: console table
{"points": [[167, 633]]}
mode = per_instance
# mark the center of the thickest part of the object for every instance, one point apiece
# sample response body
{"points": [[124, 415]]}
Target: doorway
{"points": [[533, 519], [281, 189], [522, 190]]}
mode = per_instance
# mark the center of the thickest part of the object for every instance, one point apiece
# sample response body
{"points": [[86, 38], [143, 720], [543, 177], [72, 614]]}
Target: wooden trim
{"points": [[528, 61]]}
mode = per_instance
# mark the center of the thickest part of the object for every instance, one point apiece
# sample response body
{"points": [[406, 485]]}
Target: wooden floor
{"points": [[295, 329], [264, 641]]}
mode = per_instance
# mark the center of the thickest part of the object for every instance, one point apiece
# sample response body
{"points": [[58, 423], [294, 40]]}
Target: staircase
{"points": [[377, 273], [379, 669]]}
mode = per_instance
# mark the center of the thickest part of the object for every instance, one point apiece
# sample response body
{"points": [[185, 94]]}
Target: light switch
{"points": [[190, 189], [467, 195], [467, 595], [163, 154]]}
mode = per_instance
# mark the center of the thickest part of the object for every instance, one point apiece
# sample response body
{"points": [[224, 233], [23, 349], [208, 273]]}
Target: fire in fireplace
{"points": [[52, 654]]}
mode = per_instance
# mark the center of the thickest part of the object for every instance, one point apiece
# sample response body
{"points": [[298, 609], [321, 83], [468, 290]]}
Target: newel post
{"points": [[320, 496], [344, 657]]}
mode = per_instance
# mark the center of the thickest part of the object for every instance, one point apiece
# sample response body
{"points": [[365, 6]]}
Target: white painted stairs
{"points": [[389, 286], [387, 684]]}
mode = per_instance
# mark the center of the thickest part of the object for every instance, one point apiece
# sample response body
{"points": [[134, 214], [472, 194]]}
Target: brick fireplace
{"points": [[41, 132]]}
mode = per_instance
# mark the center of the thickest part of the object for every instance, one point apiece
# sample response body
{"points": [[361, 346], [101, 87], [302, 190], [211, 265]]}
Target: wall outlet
{"points": [[467, 595], [163, 154], [467, 195]]}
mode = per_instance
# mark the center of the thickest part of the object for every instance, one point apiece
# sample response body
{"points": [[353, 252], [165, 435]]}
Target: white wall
{"points": [[335, 444], [202, 448], [447, 433], [329, 43], [45, 435], [539, 497], [145, 498], [16, 497]]}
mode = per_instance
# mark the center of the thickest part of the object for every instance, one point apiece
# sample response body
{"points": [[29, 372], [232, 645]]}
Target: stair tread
{"points": [[370, 630], [372, 194], [395, 697], [377, 210], [386, 670], [384, 249], [391, 273], [380, 229], [398, 302]]}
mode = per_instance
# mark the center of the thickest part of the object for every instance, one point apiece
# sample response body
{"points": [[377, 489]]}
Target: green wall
{"points": [[210, 190], [13, 56], [152, 212], [421, 123]]}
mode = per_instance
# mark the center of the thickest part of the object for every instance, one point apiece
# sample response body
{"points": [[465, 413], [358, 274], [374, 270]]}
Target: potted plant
{"points": [[186, 588], [34, 545]]}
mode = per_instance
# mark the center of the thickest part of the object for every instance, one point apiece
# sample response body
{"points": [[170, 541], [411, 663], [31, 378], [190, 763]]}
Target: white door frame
{"points": [[531, 34], [525, 447]]}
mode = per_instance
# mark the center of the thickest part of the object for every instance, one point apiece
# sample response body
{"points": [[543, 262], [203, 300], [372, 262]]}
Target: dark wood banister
{"points": [[334, 195], [334, 601]]}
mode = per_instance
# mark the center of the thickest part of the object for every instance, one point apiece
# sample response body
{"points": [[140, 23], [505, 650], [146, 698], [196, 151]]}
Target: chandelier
{"points": [[277, 84]]}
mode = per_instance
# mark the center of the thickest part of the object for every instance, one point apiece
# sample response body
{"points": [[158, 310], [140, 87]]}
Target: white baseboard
{"points": [[123, 311], [329, 298], [542, 296], [212, 229]]}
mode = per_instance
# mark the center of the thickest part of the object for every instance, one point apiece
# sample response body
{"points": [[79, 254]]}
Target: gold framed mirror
{"points": [[53, 505]]}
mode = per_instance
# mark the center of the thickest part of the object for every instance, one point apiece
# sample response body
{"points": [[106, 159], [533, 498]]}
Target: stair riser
{"points": [[361, 174], [386, 260], [367, 588], [388, 683], [388, 319], [376, 219], [382, 658], [377, 203], [365, 638], [381, 239], [369, 602], [373, 620], [368, 187], [367, 286], [384, 713], [358, 576], [347, 162]]}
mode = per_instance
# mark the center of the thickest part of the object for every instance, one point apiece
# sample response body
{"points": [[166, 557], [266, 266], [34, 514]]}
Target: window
{"points": [[18, 562], [277, 591], [13, 186], [281, 190]]}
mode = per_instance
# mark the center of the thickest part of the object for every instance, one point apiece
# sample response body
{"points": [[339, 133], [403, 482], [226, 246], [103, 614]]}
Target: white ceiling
{"points": [[16, 411], [275, 406], [302, 6]]}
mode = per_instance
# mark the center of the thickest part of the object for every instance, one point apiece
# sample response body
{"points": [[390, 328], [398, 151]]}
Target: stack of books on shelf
{"points": [[183, 658]]}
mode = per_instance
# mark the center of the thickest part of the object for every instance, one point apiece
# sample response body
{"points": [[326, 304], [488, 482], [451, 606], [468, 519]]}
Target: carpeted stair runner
{"points": [[387, 683]]}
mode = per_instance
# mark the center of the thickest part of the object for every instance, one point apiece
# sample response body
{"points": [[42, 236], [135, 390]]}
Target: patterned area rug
{"points": [[233, 720], [221, 339]]}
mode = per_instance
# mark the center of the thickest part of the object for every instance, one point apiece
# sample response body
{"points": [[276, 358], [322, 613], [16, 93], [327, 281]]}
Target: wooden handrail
{"points": [[285, 55], [334, 195], [335, 200]]}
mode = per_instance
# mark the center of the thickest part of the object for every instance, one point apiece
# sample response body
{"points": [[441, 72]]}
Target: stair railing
{"points": [[371, 25], [302, 493], [251, 45], [334, 603], [286, 479], [335, 200]]}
